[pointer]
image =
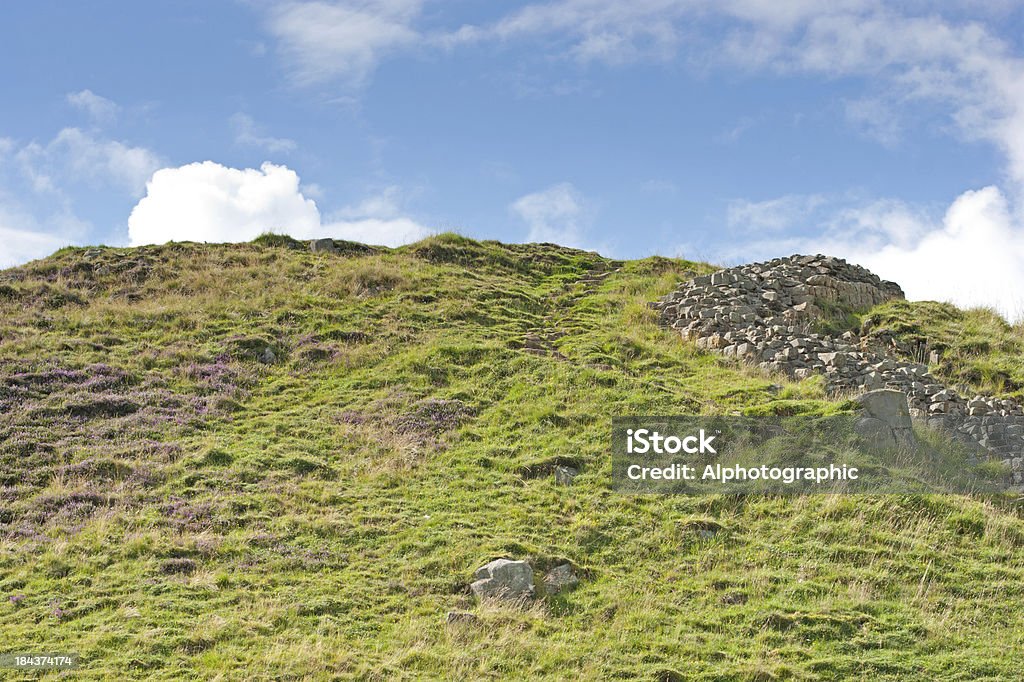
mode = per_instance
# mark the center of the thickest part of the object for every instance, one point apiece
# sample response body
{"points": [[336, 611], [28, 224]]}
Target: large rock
{"points": [[504, 579], [888, 419], [564, 475], [875, 433], [888, 405], [323, 246]]}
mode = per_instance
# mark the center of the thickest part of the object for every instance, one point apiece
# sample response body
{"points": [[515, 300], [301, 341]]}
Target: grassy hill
{"points": [[252, 462]]}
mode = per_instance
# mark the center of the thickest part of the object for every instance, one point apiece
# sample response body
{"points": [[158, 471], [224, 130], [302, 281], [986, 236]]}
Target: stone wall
{"points": [[764, 314]]}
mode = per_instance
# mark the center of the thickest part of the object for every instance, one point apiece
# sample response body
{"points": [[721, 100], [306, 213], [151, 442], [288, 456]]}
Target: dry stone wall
{"points": [[764, 314]]}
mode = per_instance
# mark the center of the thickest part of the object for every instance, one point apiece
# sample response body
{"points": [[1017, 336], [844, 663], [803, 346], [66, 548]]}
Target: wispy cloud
{"points": [[23, 237], [342, 41], [772, 215], [37, 183], [249, 134], [75, 156], [100, 109], [555, 214]]}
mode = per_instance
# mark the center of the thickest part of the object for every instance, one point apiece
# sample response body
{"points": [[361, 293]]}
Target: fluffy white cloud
{"points": [[974, 257], [971, 256], [343, 40], [248, 134], [553, 215], [209, 202], [101, 109]]}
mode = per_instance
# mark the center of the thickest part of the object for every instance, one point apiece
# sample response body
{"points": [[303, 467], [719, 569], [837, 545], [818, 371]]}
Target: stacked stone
{"points": [[762, 313]]}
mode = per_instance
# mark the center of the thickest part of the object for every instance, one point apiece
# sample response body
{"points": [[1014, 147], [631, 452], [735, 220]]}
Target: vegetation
{"points": [[177, 503], [974, 349]]}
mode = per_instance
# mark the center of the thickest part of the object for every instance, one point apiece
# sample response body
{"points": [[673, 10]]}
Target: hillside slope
{"points": [[259, 462]]}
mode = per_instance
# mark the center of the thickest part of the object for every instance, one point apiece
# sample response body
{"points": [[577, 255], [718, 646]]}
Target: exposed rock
{"points": [[323, 246], [888, 405], [761, 313], [504, 579], [875, 433], [461, 618], [564, 475], [560, 578]]}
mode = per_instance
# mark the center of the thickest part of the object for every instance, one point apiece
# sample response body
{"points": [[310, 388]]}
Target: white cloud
{"points": [[37, 213], [100, 109], [383, 232], [248, 134], [344, 40], [20, 246], [773, 214], [377, 219], [123, 165], [973, 255], [553, 215], [209, 202], [23, 237], [78, 157], [596, 30], [876, 119]]}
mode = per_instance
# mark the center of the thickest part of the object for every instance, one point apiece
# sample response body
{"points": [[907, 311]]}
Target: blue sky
{"points": [[891, 134]]}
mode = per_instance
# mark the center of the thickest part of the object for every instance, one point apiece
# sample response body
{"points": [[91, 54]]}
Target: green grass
{"points": [[194, 513], [977, 349]]}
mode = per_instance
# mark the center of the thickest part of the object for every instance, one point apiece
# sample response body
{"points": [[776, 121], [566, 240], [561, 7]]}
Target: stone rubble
{"points": [[764, 313]]}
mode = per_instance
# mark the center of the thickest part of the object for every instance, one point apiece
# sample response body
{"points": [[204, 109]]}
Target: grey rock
{"points": [[322, 246], [875, 433], [504, 579], [761, 312], [564, 475], [888, 405], [560, 578], [461, 618]]}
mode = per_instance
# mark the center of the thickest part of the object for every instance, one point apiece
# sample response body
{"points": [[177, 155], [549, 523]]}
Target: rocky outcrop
{"points": [[766, 314]]}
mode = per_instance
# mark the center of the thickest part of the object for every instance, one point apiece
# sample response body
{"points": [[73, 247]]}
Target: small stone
{"points": [[461, 618], [564, 475], [560, 578]]}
